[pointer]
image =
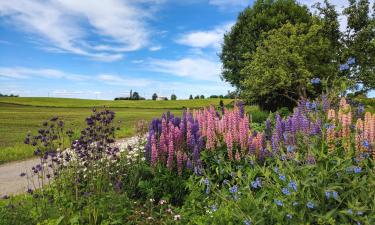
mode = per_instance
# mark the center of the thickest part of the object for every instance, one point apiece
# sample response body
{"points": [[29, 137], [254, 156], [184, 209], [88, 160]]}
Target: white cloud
{"points": [[137, 61], [155, 48], [340, 5], [118, 26], [203, 39], [197, 68], [229, 4], [24, 73]]}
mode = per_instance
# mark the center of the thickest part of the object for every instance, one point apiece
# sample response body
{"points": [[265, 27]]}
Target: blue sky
{"points": [[102, 49]]}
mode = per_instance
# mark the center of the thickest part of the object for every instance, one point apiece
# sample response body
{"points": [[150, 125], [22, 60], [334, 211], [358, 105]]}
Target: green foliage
{"points": [[359, 43], [281, 69], [154, 96], [277, 46], [173, 97], [244, 37], [315, 185]]}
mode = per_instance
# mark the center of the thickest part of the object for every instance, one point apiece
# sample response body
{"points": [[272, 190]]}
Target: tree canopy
{"points": [[278, 47]]}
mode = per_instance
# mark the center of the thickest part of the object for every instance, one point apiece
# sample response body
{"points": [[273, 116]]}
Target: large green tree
{"points": [[359, 41], [285, 63], [245, 36]]}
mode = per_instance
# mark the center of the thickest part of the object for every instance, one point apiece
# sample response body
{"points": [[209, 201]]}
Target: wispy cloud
{"points": [[229, 4], [205, 38], [118, 26], [192, 67], [155, 48], [24, 73]]}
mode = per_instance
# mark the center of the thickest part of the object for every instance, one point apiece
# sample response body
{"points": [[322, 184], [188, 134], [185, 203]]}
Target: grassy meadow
{"points": [[21, 115]]}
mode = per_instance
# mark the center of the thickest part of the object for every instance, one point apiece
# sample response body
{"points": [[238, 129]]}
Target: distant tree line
{"points": [[132, 96], [11, 95]]}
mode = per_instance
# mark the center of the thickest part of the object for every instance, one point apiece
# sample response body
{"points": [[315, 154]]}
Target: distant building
{"points": [[161, 98]]}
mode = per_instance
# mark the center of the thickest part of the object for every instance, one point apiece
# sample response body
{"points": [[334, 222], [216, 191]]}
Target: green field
{"points": [[79, 103], [20, 115]]}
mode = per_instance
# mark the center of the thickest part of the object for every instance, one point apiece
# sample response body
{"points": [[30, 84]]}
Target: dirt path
{"points": [[12, 183]]}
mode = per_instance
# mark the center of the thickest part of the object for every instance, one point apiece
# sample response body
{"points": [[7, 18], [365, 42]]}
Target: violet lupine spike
{"points": [[170, 155], [196, 155], [325, 103], [268, 131]]}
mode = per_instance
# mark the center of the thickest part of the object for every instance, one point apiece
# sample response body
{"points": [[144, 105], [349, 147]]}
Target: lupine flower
{"points": [[328, 194], [247, 222], [282, 177], [289, 216]]}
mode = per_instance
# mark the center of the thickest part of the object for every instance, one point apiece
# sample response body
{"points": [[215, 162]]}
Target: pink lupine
{"points": [[368, 127], [244, 133], [331, 137], [170, 155], [154, 151], [179, 157], [188, 133], [331, 115], [211, 135], [229, 142], [237, 156], [164, 126], [163, 149]]}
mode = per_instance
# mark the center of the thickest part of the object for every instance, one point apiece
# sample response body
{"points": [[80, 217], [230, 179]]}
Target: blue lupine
{"points": [[290, 148], [350, 211], [282, 177], [328, 194], [289, 216], [214, 207], [310, 205]]}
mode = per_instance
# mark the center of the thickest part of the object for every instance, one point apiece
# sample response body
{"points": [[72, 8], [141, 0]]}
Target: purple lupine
{"points": [[268, 131]]}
